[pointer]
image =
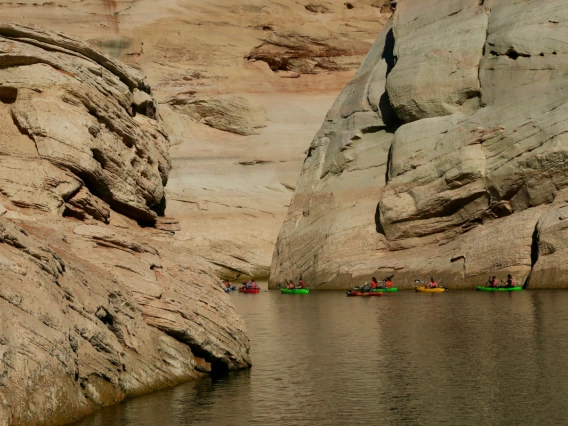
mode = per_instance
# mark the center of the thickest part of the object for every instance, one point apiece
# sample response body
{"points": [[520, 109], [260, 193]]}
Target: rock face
{"points": [[242, 85], [445, 156], [93, 307]]}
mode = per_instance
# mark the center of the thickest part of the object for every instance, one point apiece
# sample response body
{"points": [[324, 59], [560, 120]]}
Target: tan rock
{"points": [[94, 308], [199, 49], [77, 112], [436, 163]]}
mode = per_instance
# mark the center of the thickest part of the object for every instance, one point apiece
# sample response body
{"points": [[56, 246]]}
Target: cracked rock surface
{"points": [[445, 156], [94, 307]]}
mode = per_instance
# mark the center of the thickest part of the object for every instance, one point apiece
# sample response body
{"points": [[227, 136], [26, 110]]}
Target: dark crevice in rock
{"points": [[534, 254], [8, 95], [218, 366], [388, 114], [534, 246], [160, 208], [389, 162], [378, 225], [511, 53]]}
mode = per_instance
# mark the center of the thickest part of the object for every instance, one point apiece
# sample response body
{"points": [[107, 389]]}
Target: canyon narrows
{"points": [[125, 189], [242, 87], [446, 155]]}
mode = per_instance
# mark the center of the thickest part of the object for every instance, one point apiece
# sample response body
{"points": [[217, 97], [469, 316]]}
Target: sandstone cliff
{"points": [[96, 303], [242, 85], [446, 155]]}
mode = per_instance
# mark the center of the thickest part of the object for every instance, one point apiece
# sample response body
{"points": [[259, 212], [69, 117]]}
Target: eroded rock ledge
{"points": [[93, 306], [446, 155]]}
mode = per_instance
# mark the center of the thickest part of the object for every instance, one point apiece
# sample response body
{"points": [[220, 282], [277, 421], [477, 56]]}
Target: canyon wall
{"points": [[96, 302], [445, 156], [242, 86]]}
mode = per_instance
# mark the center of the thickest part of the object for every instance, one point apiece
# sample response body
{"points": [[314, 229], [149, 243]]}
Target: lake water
{"points": [[403, 359]]}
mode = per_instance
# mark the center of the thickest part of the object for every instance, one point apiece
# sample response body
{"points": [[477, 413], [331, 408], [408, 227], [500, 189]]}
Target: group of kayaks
{"points": [[376, 292], [423, 289]]}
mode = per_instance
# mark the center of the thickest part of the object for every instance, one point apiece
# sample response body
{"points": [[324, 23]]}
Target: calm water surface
{"points": [[402, 359]]}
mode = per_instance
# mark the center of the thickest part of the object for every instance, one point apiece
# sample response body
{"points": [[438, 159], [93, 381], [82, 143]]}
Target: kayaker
{"points": [[510, 281], [291, 285], [492, 282], [432, 283], [388, 282], [253, 284], [227, 284], [302, 284], [374, 283]]}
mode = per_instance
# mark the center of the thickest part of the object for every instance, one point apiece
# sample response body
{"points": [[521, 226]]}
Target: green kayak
{"points": [[485, 288], [295, 291], [385, 290]]}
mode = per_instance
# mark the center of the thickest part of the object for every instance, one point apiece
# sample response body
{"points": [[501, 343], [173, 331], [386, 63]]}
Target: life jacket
{"points": [[389, 283], [434, 284], [302, 284], [494, 282], [511, 282], [373, 284]]}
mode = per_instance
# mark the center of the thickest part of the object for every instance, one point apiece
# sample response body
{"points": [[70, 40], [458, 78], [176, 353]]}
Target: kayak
{"points": [[364, 294], [249, 290], [295, 291], [485, 288], [385, 290], [423, 289]]}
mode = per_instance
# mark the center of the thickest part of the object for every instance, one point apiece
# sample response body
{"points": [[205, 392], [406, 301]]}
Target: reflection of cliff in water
{"points": [[406, 358]]}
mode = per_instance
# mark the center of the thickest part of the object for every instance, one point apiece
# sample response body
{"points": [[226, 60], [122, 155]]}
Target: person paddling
{"points": [[374, 283], [510, 281], [432, 283], [291, 285], [301, 284], [388, 282], [492, 282], [253, 284]]}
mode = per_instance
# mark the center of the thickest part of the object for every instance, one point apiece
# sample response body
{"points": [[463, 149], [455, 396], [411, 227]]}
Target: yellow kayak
{"points": [[423, 289]]}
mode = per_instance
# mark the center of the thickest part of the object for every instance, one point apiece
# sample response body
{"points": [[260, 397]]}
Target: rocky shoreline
{"points": [[97, 301]]}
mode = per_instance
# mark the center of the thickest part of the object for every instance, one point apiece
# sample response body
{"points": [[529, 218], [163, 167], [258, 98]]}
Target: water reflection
{"points": [[406, 358]]}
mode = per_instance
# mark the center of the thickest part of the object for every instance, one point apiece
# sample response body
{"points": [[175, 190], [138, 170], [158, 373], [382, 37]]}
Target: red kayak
{"points": [[364, 294], [249, 290]]}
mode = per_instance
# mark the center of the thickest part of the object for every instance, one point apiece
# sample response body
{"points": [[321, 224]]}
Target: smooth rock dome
{"points": [[445, 155]]}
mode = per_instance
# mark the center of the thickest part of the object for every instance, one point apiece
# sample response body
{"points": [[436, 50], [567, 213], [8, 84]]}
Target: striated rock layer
{"points": [[242, 85], [445, 156], [94, 307]]}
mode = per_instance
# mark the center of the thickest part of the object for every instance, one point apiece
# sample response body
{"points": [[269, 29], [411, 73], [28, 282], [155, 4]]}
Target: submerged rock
{"points": [[445, 155], [94, 307]]}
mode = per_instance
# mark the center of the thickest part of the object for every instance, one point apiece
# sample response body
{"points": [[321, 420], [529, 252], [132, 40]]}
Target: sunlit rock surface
{"points": [[242, 86], [445, 156], [96, 302]]}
